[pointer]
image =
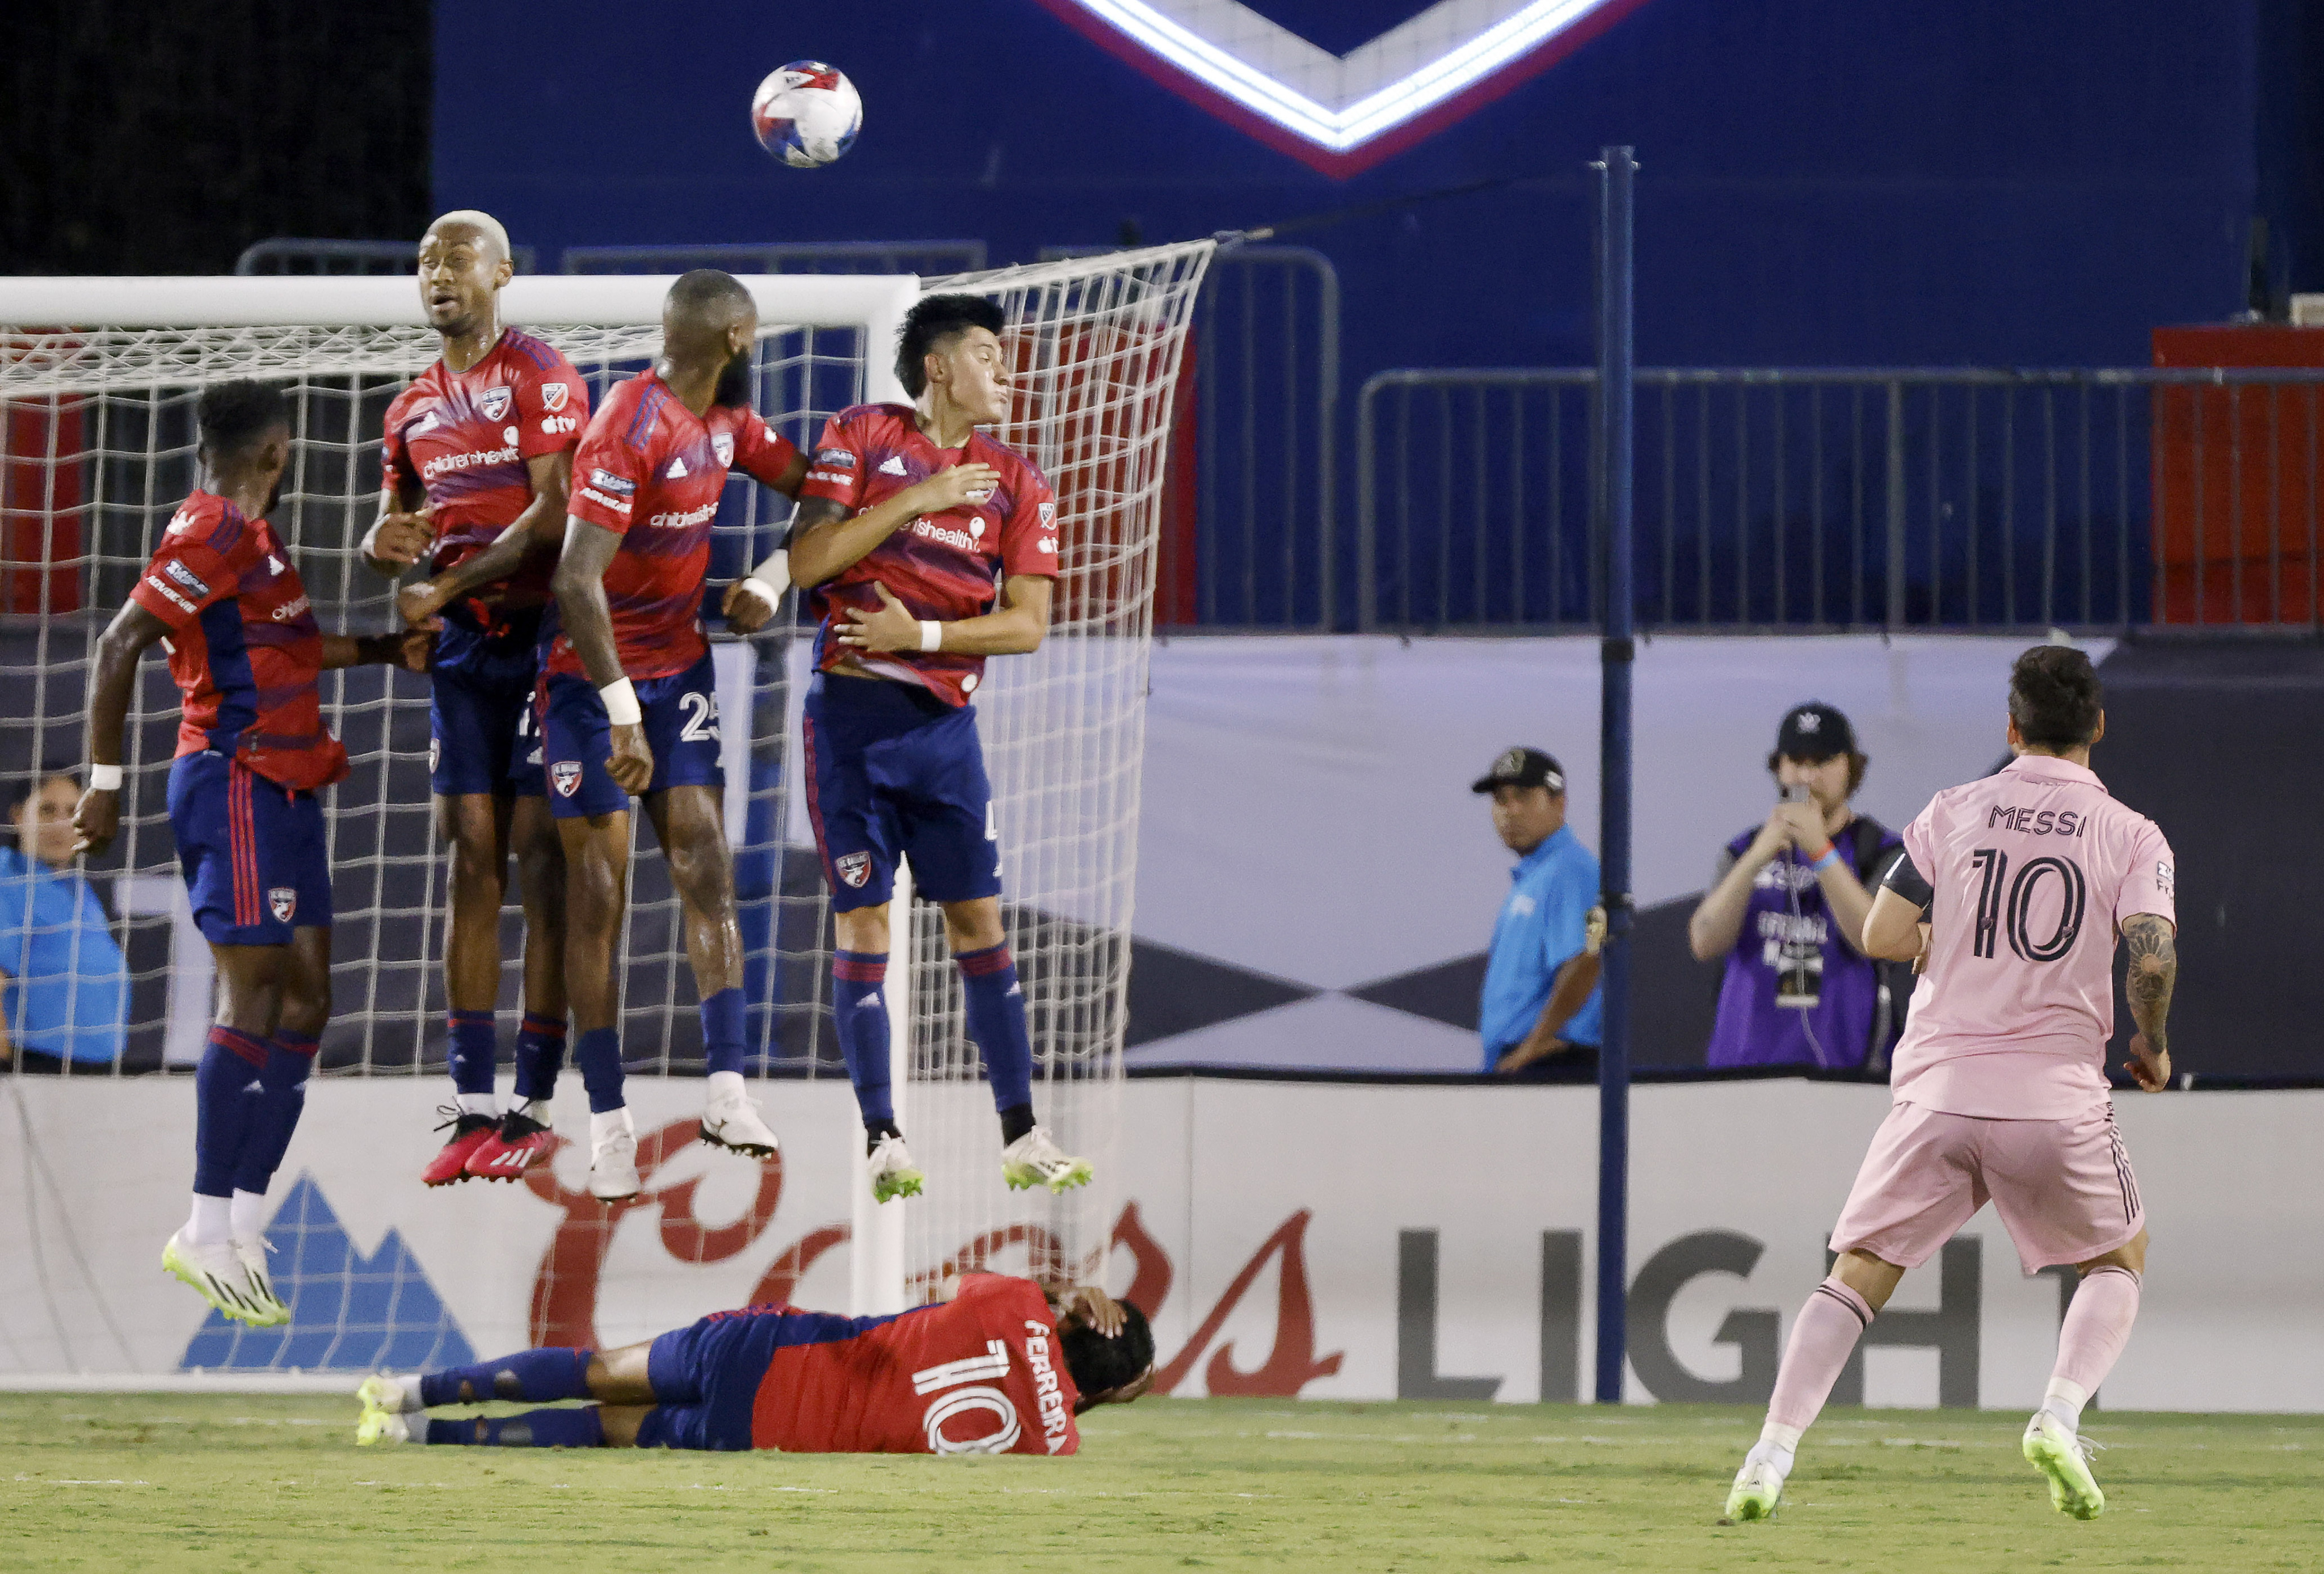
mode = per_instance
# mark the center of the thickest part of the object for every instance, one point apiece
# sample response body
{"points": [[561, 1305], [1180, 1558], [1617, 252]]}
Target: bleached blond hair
{"points": [[483, 223]]}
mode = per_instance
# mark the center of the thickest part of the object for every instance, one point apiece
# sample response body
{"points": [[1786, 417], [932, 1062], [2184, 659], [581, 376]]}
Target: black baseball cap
{"points": [[1522, 767], [1814, 730]]}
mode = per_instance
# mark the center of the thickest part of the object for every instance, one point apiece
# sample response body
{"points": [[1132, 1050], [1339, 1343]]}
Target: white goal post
{"points": [[97, 377]]}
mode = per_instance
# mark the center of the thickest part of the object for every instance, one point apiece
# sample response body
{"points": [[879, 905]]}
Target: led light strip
{"points": [[1341, 130]]}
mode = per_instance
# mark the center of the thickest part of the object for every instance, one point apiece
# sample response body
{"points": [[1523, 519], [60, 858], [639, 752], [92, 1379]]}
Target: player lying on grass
{"points": [[996, 1366], [222, 597], [480, 445], [927, 546], [2013, 888]]}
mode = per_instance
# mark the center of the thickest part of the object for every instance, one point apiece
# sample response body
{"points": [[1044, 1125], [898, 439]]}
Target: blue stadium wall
{"points": [[1944, 182]]}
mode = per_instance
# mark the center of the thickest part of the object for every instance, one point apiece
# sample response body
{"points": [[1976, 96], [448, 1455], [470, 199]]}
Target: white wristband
{"points": [[105, 779], [772, 577], [621, 703], [931, 635]]}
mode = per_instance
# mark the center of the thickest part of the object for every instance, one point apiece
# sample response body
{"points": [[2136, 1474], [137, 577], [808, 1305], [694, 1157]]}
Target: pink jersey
{"points": [[943, 567], [651, 471], [2033, 869], [465, 438]]}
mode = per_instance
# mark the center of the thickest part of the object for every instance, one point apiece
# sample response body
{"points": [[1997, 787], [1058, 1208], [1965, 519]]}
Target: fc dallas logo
{"points": [[282, 901], [494, 403], [855, 868], [1342, 113], [565, 777]]}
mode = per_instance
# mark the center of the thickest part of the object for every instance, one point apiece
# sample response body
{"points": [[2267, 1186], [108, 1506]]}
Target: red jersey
{"points": [[982, 1374], [244, 645], [943, 567], [465, 438], [651, 471]]}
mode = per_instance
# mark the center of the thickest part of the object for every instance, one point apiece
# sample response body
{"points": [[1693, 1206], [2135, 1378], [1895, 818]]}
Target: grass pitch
{"points": [[170, 1482]]}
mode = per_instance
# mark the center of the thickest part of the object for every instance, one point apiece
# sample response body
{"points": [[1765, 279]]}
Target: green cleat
{"points": [[2064, 1458], [216, 1273], [893, 1172], [386, 1403], [1758, 1489], [1033, 1160]]}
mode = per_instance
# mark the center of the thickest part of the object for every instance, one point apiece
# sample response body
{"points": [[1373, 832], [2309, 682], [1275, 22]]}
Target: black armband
{"points": [[1907, 882]]}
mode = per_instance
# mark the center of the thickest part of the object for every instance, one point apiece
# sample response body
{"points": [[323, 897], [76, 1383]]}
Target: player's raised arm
{"points": [[407, 649], [540, 528], [2152, 942], [826, 540], [588, 623], [113, 675]]}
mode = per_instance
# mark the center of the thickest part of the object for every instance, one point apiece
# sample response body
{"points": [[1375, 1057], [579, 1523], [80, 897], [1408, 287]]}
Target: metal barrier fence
{"points": [[1832, 499]]}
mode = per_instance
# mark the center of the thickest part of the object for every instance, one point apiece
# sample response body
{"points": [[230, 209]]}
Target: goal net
{"points": [[98, 385]]}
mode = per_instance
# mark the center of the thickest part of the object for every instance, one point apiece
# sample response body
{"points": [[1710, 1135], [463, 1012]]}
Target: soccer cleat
{"points": [[2063, 1457], [613, 1161], [731, 1120], [379, 1427], [397, 1396], [1758, 1486], [470, 1132], [1033, 1160], [893, 1172], [257, 1288], [216, 1274], [520, 1142]]}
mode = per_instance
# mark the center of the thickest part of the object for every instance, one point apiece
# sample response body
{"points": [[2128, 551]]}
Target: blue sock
{"points": [[227, 1084], [542, 1376], [539, 1056], [473, 1050], [578, 1427], [996, 1021], [721, 1031], [281, 1097], [861, 1014], [598, 1053]]}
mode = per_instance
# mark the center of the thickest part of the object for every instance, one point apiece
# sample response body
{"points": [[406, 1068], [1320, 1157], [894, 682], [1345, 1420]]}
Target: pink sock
{"points": [[1822, 1335], [2097, 1327]]}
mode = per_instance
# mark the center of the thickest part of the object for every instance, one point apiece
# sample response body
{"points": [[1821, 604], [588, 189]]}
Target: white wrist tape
{"points": [[105, 779], [621, 703], [931, 635], [772, 577]]}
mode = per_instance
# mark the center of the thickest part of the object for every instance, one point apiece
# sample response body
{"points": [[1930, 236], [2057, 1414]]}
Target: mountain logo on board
{"points": [[348, 1312]]}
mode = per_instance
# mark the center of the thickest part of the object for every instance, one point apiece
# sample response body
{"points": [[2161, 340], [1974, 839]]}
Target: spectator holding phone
{"points": [[1786, 908]]}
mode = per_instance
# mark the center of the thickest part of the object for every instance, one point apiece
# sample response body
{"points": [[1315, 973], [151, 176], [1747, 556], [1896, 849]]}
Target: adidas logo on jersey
{"points": [[274, 564], [892, 465], [677, 470]]}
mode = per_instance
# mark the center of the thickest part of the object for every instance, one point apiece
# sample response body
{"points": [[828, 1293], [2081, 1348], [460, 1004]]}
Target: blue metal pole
{"points": [[1616, 174]]}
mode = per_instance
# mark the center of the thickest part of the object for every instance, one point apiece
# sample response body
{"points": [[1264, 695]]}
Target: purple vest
{"points": [[1753, 1029]]}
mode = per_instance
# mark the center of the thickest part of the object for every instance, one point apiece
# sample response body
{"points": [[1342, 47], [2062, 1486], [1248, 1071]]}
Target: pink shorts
{"points": [[2063, 1188]]}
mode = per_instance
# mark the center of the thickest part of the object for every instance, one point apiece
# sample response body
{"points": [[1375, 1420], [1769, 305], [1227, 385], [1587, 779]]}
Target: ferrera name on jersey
{"points": [[2044, 823]]}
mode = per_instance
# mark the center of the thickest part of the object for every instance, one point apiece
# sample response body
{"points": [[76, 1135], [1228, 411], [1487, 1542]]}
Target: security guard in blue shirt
{"points": [[1540, 1005], [64, 987]]}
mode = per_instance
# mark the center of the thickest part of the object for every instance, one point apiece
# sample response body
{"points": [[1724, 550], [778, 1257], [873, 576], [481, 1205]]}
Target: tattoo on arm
{"points": [[2151, 942]]}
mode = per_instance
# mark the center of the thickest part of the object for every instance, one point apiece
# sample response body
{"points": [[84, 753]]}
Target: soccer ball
{"points": [[807, 114]]}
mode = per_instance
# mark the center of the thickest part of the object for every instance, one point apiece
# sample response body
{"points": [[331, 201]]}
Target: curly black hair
{"points": [[234, 417], [1100, 1364], [933, 325]]}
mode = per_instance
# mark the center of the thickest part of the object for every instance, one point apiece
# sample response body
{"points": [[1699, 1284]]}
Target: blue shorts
{"points": [[681, 723], [705, 1377], [254, 853], [893, 771], [484, 735]]}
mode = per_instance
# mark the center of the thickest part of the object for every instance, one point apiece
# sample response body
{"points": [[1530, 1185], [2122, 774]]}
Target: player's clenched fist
{"points": [[746, 606], [631, 763], [97, 820], [401, 538], [948, 489]]}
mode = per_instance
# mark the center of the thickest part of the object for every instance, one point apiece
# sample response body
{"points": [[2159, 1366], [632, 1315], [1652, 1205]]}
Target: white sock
{"points": [[726, 1084], [526, 1107], [407, 1395], [247, 1215], [212, 1221], [2065, 1400], [604, 1123], [1779, 1443], [480, 1104]]}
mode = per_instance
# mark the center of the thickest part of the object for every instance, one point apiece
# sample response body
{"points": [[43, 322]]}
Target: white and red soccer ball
{"points": [[807, 114]]}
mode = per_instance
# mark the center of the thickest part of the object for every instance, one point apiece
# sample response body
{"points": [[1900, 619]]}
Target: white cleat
{"points": [[257, 1287], [396, 1395], [613, 1157], [379, 1427], [1033, 1160], [2063, 1457], [893, 1172], [214, 1274], [1758, 1485], [731, 1120]]}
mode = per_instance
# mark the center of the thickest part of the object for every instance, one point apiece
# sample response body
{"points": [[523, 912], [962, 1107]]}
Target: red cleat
{"points": [[469, 1132], [520, 1142]]}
